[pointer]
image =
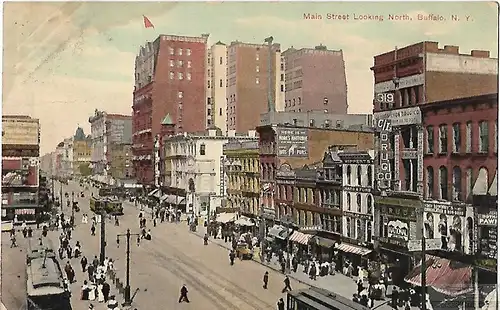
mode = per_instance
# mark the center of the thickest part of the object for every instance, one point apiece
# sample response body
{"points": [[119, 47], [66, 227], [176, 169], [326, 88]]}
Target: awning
{"points": [[278, 231], [451, 278], [324, 242], [174, 200], [225, 217], [244, 221], [301, 238], [354, 249], [163, 198], [154, 193]]}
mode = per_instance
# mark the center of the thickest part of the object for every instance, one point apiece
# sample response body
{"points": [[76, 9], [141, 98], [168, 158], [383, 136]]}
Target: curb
{"points": [[263, 264]]}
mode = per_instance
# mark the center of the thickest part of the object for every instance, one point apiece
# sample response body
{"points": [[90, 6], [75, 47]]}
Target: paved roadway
{"points": [[175, 257]]}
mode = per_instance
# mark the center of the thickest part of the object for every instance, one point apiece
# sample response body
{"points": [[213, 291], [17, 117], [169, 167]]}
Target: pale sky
{"points": [[63, 60]]}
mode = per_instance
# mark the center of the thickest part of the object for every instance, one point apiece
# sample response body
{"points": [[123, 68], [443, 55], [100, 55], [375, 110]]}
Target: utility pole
{"points": [[52, 190], [127, 296], [423, 271], [61, 194], [72, 209], [270, 103], [103, 234]]}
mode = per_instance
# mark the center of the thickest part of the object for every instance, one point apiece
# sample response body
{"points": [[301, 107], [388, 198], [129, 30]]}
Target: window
{"points": [[220, 111], [456, 138], [282, 88], [369, 232], [359, 175], [370, 176], [468, 182], [179, 52], [172, 75], [180, 63], [443, 139], [256, 80], [208, 83], [359, 230], [430, 140], [348, 226], [172, 63], [220, 60], [311, 123], [282, 77], [171, 51], [369, 204], [325, 101], [189, 63], [457, 183], [468, 137], [180, 76], [220, 83], [348, 174], [180, 95], [209, 112], [430, 182], [188, 52], [443, 182], [188, 76], [257, 56], [483, 137], [202, 149], [358, 202], [257, 69], [348, 201]]}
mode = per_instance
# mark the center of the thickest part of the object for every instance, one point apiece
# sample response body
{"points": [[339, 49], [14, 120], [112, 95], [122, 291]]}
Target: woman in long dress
{"points": [[92, 289], [100, 298]]}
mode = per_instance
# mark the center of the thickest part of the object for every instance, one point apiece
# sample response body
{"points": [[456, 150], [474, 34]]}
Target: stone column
{"points": [[420, 159]]}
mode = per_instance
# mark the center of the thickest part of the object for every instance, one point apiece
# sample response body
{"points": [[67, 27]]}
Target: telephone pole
{"points": [[103, 235], [126, 293]]}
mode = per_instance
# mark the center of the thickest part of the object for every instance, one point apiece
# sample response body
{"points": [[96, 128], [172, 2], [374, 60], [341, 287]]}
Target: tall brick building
{"points": [[315, 80], [170, 75], [248, 89], [406, 81]]}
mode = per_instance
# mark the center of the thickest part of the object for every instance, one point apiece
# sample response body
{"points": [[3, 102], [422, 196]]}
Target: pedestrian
{"points": [[112, 303], [30, 232], [92, 230], [90, 271], [266, 280], [25, 231], [154, 222], [13, 243], [70, 273], [184, 294], [69, 252], [205, 239], [287, 285], [85, 291], [95, 262], [283, 266], [105, 290], [281, 304], [360, 286], [83, 262]]}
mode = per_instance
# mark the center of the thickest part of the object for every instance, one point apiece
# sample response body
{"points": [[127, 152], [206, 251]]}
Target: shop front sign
{"points": [[445, 209], [407, 213], [361, 216], [488, 219], [397, 230], [396, 242]]}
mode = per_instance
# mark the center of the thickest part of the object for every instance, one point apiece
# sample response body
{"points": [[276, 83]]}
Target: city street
{"points": [[175, 257]]}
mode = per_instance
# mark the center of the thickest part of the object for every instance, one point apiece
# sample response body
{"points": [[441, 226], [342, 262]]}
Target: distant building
{"points": [[170, 78], [242, 171], [315, 80], [107, 129], [318, 119], [82, 149], [216, 86], [249, 92], [121, 166]]}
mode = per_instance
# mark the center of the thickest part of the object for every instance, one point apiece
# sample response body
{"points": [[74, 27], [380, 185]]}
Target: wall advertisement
{"points": [[20, 131], [292, 142], [400, 117]]}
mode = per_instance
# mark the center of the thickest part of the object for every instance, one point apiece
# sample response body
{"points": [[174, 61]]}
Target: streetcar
{"points": [[319, 299], [46, 287], [110, 206]]}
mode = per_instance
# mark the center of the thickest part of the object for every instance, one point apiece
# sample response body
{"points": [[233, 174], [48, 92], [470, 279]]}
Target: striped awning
{"points": [[354, 249], [301, 238]]}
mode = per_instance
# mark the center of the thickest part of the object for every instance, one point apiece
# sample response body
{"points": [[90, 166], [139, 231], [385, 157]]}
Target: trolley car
{"points": [[110, 206], [46, 287], [319, 299]]}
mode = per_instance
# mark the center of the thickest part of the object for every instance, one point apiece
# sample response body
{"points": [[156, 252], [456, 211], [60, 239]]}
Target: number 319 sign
{"points": [[385, 98]]}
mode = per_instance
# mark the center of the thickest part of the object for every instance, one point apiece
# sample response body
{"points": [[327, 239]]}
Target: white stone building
{"points": [[194, 165], [216, 86], [357, 199], [67, 157]]}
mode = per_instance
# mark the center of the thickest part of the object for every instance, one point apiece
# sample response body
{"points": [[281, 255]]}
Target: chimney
{"points": [[451, 49], [480, 54]]}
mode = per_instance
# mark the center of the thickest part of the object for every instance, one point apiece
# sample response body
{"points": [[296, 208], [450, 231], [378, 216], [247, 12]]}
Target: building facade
{"points": [[252, 83], [20, 167], [242, 173], [105, 130], [67, 157], [216, 86], [315, 80], [298, 146], [170, 78], [318, 119], [195, 169], [121, 167]]}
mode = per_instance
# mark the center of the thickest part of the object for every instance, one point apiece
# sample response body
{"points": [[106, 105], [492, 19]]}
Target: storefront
{"points": [[396, 223]]}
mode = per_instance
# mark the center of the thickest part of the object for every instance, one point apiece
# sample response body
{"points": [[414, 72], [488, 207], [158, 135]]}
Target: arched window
{"points": [[369, 172], [359, 230], [202, 149], [358, 202], [443, 182], [430, 182], [348, 174], [457, 183], [369, 232], [348, 201], [348, 226], [369, 202], [359, 174]]}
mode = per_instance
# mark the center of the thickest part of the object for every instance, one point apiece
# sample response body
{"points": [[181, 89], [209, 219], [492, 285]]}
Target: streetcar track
{"points": [[236, 290]]}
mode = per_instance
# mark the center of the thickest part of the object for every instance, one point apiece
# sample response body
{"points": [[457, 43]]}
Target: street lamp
{"points": [[128, 301], [72, 209], [61, 194], [288, 222]]}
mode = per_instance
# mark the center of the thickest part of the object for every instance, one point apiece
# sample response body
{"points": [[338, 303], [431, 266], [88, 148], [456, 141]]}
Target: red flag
{"points": [[147, 22]]}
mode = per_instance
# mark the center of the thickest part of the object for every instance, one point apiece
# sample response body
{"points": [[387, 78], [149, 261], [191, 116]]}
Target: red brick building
{"points": [[169, 79]]}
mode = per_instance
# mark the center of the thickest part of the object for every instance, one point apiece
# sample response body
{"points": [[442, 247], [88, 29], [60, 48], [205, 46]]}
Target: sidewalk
{"points": [[337, 283]]}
